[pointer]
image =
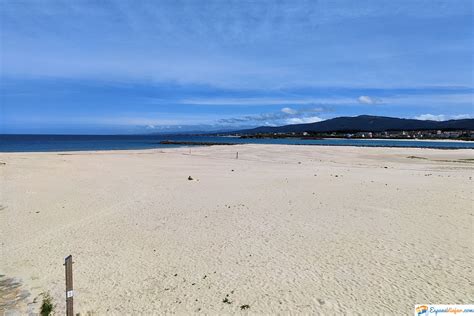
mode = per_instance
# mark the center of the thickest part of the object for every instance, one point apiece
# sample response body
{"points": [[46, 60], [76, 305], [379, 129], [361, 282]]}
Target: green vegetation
{"points": [[47, 306]]}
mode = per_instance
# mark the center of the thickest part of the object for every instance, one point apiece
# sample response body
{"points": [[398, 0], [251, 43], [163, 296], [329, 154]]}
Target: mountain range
{"points": [[364, 123]]}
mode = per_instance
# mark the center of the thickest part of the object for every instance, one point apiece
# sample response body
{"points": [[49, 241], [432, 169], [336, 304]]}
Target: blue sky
{"points": [[119, 66]]}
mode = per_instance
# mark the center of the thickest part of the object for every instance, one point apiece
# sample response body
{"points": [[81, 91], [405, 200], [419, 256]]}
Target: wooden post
{"points": [[69, 287], [237, 155]]}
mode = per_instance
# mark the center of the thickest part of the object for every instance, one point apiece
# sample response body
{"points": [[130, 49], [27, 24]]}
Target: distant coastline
{"points": [[354, 138], [56, 143], [418, 139]]}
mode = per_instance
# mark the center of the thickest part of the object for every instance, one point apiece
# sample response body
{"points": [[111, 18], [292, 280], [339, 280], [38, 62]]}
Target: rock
{"points": [[190, 178]]}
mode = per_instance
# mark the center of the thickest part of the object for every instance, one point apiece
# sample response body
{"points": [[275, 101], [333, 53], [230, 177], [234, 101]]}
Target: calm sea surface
{"points": [[42, 143]]}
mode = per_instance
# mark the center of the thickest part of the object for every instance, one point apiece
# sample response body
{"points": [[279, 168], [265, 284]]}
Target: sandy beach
{"points": [[282, 229]]}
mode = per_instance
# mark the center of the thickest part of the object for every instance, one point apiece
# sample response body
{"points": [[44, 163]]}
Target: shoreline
{"points": [[415, 139], [173, 146]]}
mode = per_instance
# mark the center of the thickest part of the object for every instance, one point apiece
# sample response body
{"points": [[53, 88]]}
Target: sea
{"points": [[51, 143]]}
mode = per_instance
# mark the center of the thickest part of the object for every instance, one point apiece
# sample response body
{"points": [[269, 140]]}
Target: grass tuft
{"points": [[47, 306]]}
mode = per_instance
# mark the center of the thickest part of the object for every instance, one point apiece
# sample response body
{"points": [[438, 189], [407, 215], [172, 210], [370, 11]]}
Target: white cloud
{"points": [[442, 117], [289, 111], [461, 116], [285, 115], [431, 117], [261, 101], [302, 120], [418, 100], [365, 99]]}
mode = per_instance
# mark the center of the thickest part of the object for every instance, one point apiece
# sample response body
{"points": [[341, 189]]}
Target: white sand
{"points": [[276, 234]]}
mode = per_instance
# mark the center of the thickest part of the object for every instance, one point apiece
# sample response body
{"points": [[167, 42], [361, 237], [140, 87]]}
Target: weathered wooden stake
{"points": [[237, 155], [69, 287]]}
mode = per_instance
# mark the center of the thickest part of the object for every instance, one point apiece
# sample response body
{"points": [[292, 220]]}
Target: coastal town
{"points": [[417, 134]]}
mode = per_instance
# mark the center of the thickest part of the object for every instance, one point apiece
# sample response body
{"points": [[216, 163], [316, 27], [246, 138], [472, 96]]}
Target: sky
{"points": [[150, 66]]}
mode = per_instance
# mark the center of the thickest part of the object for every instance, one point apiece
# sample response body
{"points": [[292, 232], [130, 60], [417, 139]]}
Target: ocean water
{"points": [[48, 143]]}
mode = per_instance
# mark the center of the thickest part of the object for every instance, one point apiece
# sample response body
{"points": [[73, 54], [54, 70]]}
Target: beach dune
{"points": [[281, 229]]}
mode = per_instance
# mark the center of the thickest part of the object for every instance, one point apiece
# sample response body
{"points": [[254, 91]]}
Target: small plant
{"points": [[244, 307], [47, 306], [226, 300]]}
